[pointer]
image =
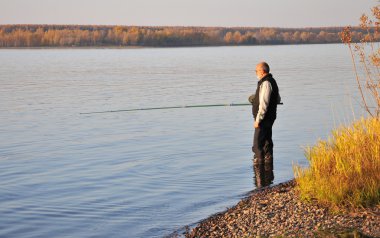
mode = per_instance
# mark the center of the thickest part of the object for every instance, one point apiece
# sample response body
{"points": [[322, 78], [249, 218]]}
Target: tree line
{"points": [[90, 36]]}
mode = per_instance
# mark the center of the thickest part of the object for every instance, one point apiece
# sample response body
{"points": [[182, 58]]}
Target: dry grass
{"points": [[344, 170]]}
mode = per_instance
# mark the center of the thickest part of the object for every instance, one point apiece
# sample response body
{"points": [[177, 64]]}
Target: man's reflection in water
{"points": [[263, 174]]}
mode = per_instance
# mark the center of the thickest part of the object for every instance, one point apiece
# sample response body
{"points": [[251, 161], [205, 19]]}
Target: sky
{"points": [[227, 13]]}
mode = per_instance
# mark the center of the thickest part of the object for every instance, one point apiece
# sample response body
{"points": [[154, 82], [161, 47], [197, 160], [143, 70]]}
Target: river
{"points": [[151, 173]]}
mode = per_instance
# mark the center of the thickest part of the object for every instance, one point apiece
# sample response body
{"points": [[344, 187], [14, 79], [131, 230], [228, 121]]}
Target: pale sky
{"points": [[228, 13]]}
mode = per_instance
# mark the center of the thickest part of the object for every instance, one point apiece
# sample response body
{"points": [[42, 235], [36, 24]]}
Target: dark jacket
{"points": [[271, 113]]}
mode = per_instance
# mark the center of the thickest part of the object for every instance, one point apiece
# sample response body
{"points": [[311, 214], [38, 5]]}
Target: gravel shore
{"points": [[278, 212]]}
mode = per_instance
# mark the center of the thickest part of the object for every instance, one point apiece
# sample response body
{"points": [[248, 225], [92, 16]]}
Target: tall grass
{"points": [[344, 170]]}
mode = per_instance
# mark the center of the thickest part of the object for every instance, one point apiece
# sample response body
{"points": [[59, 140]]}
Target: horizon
{"points": [[186, 13], [179, 26]]}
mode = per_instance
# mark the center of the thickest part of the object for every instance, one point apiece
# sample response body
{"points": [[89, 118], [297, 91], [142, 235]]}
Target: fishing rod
{"points": [[173, 107]]}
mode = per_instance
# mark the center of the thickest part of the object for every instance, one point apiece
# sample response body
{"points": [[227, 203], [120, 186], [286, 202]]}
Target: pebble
{"points": [[278, 211]]}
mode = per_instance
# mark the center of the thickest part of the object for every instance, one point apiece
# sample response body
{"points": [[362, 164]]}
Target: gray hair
{"points": [[265, 67]]}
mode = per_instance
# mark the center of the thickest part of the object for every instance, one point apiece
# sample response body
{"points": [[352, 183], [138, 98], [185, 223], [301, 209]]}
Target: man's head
{"points": [[262, 69]]}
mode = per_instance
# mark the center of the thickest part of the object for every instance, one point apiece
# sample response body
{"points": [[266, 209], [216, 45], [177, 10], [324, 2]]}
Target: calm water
{"points": [[150, 173]]}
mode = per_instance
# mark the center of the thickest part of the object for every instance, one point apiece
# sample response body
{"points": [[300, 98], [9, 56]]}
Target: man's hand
{"points": [[256, 125]]}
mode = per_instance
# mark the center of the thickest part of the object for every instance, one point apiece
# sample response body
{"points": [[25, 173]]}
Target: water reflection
{"points": [[263, 174]]}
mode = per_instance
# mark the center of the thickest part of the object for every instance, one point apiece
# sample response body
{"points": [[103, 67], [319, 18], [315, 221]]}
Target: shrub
{"points": [[367, 52], [344, 170]]}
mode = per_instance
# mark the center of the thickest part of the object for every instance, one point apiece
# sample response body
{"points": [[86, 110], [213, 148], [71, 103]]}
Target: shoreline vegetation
{"points": [[344, 171], [97, 36]]}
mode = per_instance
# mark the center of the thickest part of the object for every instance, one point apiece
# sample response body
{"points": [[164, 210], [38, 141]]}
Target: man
{"points": [[264, 109]]}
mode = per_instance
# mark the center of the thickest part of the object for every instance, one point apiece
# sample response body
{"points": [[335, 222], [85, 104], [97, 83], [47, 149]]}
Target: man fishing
{"points": [[264, 109]]}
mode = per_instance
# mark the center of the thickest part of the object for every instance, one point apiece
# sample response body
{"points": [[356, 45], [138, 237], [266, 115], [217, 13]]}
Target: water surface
{"points": [[150, 173]]}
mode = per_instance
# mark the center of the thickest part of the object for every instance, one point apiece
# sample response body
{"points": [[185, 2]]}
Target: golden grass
{"points": [[344, 170]]}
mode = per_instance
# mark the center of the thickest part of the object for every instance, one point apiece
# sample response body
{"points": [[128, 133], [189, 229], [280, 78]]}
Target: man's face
{"points": [[259, 72]]}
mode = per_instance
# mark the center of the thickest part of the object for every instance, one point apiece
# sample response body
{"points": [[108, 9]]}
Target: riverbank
{"points": [[278, 211], [121, 47]]}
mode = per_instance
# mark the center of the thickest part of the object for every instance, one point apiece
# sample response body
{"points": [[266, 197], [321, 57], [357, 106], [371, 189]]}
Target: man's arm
{"points": [[264, 97]]}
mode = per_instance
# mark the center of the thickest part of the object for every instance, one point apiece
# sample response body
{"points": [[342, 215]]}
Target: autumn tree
{"points": [[71, 36]]}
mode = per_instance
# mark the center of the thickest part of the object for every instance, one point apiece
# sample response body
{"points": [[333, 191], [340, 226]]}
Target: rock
{"points": [[277, 211]]}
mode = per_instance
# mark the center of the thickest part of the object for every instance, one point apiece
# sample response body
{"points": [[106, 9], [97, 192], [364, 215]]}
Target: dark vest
{"points": [[270, 115]]}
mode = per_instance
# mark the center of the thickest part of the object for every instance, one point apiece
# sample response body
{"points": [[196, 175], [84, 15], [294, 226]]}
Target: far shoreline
{"points": [[156, 47]]}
